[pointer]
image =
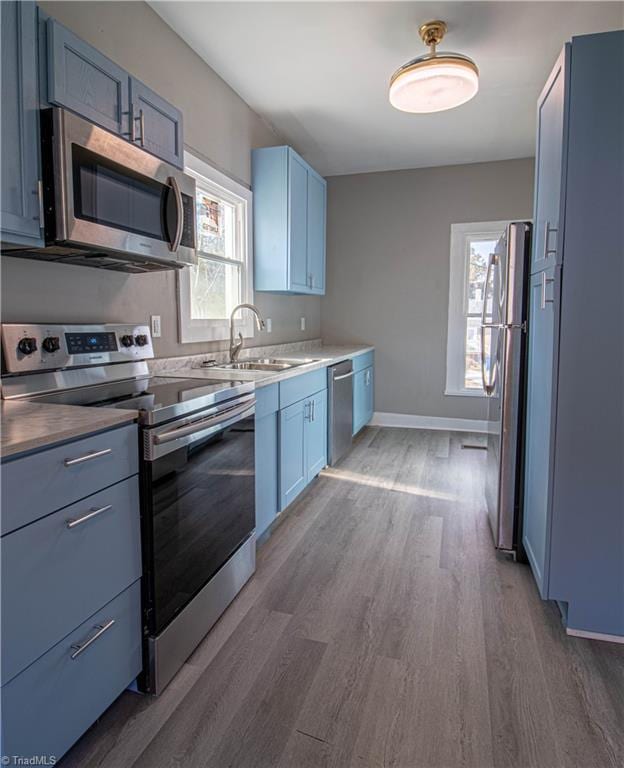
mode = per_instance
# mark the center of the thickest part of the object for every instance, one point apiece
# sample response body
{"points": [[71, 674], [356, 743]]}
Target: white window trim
{"points": [[458, 274], [190, 330]]}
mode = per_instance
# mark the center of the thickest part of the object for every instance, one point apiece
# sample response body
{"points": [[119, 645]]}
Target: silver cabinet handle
{"points": [[307, 411], [93, 512], [313, 410], [87, 457], [79, 648], [142, 127], [547, 230], [177, 239], [545, 282]]}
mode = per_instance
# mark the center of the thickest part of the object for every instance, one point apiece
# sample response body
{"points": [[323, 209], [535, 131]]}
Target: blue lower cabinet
{"points": [[59, 570], [303, 444], [544, 289], [292, 469], [316, 435], [49, 705], [267, 430], [363, 398]]}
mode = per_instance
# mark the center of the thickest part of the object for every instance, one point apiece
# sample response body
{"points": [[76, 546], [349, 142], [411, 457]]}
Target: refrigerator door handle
{"points": [[488, 387]]}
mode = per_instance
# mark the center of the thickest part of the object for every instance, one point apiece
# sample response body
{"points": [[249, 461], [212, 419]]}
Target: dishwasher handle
{"points": [[344, 376]]}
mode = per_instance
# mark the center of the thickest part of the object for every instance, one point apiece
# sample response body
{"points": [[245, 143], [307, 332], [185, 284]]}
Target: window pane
{"points": [[480, 250], [472, 362], [215, 289], [216, 225]]}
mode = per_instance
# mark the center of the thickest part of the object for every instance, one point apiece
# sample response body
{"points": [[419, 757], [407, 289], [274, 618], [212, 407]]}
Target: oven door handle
{"points": [[222, 419], [177, 238]]}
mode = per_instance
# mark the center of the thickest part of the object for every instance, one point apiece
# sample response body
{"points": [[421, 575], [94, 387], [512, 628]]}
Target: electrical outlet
{"points": [[268, 323], [156, 333], [303, 323]]}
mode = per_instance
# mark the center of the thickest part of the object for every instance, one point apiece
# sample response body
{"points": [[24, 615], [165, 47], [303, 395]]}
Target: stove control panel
{"points": [[29, 348]]}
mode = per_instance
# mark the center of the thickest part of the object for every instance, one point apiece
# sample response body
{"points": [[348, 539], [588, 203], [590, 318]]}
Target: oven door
{"points": [[109, 195], [198, 504]]}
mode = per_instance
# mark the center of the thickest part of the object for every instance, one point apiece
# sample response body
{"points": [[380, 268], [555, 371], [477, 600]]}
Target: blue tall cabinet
{"points": [[289, 206], [20, 163], [573, 529]]}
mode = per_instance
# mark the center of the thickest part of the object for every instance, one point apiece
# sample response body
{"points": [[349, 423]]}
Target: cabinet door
{"points": [[20, 125], [298, 224], [85, 81], [292, 469], [549, 170], [316, 435], [157, 125], [359, 400], [266, 471], [317, 194], [539, 437]]}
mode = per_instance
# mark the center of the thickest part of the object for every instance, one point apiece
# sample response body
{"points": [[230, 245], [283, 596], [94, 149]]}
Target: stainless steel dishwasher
{"points": [[340, 385]]}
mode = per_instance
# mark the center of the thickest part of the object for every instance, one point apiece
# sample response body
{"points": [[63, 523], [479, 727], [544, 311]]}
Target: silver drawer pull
{"points": [[80, 647], [344, 376], [87, 457], [73, 522]]}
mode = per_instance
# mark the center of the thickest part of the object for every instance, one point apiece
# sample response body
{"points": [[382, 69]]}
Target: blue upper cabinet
{"points": [[20, 163], [549, 166], [289, 222], [82, 79], [157, 125], [85, 81]]}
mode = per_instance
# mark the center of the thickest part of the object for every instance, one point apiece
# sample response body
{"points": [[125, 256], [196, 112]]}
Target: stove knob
{"points": [[127, 340], [27, 345], [51, 344], [141, 340]]}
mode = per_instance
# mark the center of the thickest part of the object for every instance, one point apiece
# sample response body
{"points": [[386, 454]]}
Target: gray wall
{"points": [[218, 125], [388, 270]]}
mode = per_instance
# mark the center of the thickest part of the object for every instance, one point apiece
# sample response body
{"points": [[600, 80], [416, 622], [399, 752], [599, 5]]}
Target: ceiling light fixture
{"points": [[435, 81]]}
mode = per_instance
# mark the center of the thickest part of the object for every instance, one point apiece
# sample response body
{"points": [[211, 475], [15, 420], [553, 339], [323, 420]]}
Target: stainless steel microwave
{"points": [[110, 204]]}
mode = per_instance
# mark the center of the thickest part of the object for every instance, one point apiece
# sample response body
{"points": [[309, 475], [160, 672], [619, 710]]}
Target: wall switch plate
{"points": [[268, 325], [156, 333], [303, 323]]}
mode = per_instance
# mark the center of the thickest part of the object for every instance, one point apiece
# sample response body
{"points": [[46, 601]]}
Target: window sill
{"points": [[464, 393]]}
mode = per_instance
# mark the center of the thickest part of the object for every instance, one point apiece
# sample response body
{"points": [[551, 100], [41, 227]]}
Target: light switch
{"points": [[268, 323], [156, 327], [303, 323]]}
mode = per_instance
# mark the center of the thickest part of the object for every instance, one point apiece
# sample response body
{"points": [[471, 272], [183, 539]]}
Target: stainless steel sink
{"points": [[264, 364]]}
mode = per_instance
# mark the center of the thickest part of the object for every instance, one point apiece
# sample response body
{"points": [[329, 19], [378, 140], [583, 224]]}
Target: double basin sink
{"points": [[262, 364]]}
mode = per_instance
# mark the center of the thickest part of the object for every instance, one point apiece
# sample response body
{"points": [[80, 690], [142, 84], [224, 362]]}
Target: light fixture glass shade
{"points": [[434, 82]]}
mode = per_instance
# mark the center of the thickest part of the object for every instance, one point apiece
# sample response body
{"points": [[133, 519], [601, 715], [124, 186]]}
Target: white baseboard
{"points": [[411, 421], [595, 635]]}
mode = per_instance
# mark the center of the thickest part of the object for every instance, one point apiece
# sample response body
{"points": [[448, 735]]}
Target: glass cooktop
{"points": [[157, 398]]}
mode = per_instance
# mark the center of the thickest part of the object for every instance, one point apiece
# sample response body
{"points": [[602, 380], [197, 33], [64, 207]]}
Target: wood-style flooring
{"points": [[381, 629]]}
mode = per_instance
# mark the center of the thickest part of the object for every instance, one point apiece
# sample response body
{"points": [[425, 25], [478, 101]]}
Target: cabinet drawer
{"points": [[50, 704], [36, 485], [54, 577], [363, 361], [267, 400], [302, 386]]}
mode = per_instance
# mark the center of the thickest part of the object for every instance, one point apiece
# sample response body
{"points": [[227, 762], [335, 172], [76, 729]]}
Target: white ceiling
{"points": [[319, 71]]}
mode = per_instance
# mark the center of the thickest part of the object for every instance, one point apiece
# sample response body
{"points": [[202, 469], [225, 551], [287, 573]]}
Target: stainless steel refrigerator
{"points": [[503, 366]]}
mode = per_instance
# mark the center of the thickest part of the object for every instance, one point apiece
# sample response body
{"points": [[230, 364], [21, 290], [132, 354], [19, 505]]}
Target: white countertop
{"points": [[322, 357]]}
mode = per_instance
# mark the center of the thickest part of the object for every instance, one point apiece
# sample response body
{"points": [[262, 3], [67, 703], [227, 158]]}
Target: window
{"points": [[471, 246], [209, 291]]}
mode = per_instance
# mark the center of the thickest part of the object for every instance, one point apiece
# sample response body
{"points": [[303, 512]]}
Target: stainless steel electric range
{"points": [[197, 476]]}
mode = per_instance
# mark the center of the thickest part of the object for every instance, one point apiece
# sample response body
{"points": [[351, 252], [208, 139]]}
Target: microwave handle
{"points": [[175, 243]]}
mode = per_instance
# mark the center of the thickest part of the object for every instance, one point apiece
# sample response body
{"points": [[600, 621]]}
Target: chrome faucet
{"points": [[236, 346]]}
